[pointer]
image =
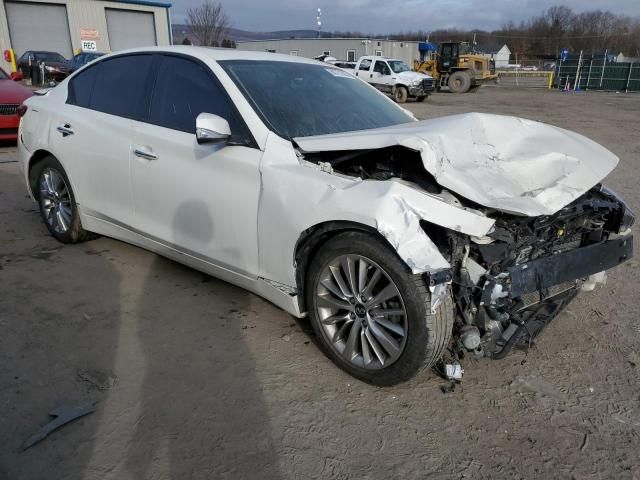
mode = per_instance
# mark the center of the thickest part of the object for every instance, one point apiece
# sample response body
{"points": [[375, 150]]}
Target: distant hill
{"points": [[181, 31]]}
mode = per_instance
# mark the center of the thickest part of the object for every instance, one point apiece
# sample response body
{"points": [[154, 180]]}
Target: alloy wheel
{"points": [[55, 200], [361, 312]]}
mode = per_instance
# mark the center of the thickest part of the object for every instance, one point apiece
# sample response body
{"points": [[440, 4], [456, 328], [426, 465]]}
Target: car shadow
{"points": [[202, 411], [59, 317]]}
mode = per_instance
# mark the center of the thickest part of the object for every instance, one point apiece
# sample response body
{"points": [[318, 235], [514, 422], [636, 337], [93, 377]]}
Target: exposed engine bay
{"points": [[508, 285]]}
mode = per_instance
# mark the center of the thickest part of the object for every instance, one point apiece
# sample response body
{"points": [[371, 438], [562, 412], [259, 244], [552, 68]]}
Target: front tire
{"points": [[57, 202], [460, 81], [401, 94], [371, 314]]}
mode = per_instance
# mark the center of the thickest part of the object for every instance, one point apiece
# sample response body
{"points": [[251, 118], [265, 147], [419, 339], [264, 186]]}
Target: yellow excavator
{"points": [[456, 66]]}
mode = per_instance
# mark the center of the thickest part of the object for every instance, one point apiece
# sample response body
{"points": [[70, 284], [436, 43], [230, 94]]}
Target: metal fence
{"points": [[527, 79], [597, 74]]}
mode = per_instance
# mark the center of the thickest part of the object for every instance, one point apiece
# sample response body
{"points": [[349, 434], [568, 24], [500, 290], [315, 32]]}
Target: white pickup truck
{"points": [[394, 77]]}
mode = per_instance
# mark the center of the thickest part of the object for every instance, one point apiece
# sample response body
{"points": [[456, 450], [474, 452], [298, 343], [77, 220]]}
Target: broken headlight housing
{"points": [[626, 217]]}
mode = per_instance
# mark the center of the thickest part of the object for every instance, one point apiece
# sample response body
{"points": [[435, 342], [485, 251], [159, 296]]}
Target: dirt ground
{"points": [[197, 379]]}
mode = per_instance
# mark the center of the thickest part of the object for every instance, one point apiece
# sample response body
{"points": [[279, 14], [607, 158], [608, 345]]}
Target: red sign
{"points": [[89, 34]]}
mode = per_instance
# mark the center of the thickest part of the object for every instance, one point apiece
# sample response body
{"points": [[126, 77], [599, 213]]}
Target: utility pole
{"points": [[319, 21]]}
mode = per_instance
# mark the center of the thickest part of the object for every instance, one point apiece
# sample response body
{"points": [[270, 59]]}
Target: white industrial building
{"points": [[66, 26], [349, 49], [500, 57]]}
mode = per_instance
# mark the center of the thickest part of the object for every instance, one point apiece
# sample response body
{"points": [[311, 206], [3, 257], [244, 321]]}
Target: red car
{"points": [[12, 94]]}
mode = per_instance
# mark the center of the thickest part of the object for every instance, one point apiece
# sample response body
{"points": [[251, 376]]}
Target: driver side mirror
{"points": [[16, 76], [211, 128]]}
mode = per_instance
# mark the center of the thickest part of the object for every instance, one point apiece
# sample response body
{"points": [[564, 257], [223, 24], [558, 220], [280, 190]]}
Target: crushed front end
{"points": [[509, 285]]}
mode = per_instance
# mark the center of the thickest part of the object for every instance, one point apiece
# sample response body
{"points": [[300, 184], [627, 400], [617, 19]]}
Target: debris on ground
{"points": [[453, 371], [64, 415], [98, 378], [449, 388], [537, 386]]}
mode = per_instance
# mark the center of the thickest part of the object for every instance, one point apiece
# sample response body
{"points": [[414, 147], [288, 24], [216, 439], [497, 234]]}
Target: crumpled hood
{"points": [[507, 163]]}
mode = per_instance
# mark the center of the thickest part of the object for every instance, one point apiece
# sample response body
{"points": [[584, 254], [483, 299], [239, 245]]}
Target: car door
{"points": [[363, 69], [23, 64], [381, 74], [92, 133], [199, 199]]}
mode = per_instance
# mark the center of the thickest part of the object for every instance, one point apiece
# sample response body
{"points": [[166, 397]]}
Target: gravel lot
{"points": [[197, 379]]}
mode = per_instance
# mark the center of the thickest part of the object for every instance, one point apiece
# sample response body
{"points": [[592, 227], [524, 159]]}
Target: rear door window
{"points": [[365, 64], [121, 88], [81, 86], [184, 89]]}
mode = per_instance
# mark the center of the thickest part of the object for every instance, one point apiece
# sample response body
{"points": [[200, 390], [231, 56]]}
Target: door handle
{"points": [[145, 153], [65, 130]]}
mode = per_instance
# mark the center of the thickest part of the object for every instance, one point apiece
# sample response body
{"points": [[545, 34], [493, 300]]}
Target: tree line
{"points": [[544, 35]]}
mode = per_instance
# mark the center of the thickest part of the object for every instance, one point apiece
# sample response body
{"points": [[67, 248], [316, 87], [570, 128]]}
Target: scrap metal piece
{"points": [[64, 415], [453, 371]]}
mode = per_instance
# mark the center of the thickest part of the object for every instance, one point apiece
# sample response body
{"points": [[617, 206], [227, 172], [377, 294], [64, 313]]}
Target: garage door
{"points": [[128, 29], [41, 26]]}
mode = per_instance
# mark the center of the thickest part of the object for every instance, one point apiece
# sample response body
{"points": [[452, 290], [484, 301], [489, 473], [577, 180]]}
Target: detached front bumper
{"points": [[544, 273]]}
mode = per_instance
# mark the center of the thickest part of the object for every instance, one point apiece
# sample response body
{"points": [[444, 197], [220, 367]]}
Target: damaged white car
{"points": [[299, 182]]}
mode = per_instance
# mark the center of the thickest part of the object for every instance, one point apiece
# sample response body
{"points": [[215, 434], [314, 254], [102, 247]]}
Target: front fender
{"points": [[298, 195]]}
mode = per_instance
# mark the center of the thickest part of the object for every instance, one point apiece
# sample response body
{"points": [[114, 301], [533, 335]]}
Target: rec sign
{"points": [[88, 39], [89, 46]]}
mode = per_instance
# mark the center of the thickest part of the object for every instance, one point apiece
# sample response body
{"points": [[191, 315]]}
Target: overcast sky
{"points": [[380, 16]]}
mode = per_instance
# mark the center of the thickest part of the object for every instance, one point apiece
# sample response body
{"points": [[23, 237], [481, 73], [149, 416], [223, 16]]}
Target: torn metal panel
{"points": [[314, 195], [63, 415], [507, 163]]}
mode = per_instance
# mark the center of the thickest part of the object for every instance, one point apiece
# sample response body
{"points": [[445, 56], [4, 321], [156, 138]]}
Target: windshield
{"points": [[48, 57], [301, 100], [398, 66]]}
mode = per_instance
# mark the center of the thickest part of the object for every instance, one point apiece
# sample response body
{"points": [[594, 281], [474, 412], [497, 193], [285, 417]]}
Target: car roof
{"points": [[218, 54], [376, 57]]}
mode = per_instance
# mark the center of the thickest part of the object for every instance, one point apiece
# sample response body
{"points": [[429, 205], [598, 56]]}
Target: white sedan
{"points": [[403, 241]]}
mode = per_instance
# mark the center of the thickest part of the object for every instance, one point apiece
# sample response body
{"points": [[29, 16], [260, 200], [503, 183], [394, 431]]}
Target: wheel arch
{"points": [[312, 239], [37, 157]]}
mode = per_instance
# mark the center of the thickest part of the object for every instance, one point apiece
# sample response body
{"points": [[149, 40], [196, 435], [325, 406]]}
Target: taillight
{"points": [[21, 110]]}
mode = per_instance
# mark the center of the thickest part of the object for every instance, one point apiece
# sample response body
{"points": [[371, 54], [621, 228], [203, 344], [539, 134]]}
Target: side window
{"points": [[81, 86], [122, 86], [381, 67], [183, 90], [365, 64]]}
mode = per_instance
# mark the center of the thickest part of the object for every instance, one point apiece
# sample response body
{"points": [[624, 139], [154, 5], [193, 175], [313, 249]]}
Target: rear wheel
{"points": [[371, 315], [460, 82], [400, 95], [57, 203]]}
